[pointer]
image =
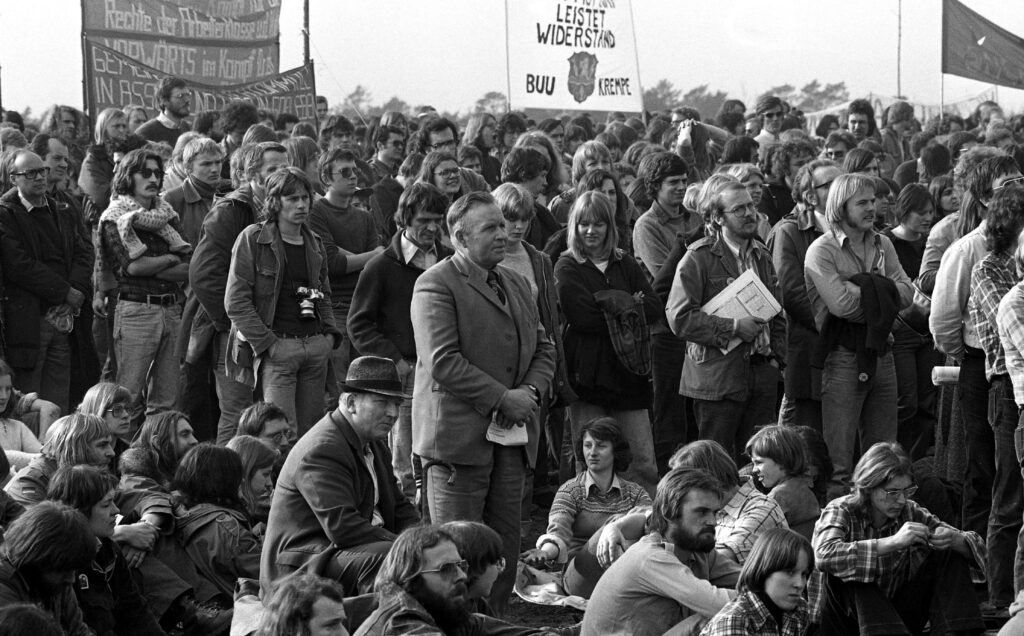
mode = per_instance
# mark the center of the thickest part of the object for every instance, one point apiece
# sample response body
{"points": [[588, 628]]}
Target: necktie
{"points": [[495, 283]]}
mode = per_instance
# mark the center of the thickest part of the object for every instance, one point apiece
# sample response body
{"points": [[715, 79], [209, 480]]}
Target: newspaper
{"points": [[744, 297]]}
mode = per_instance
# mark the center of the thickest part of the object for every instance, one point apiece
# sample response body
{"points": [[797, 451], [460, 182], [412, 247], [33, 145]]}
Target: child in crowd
{"points": [[780, 464]]}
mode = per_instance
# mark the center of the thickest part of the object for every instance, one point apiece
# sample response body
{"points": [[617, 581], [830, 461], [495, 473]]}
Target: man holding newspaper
{"points": [[724, 303]]}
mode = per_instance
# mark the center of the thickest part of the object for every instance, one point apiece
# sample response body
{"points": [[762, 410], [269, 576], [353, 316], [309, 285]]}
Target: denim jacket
{"points": [[254, 282], [707, 268]]}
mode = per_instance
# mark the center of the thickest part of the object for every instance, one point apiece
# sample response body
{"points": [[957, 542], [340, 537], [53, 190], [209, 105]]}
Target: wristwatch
{"points": [[535, 391]]}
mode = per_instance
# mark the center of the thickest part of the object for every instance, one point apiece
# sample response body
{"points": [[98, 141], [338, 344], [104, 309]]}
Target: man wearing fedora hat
{"points": [[337, 507]]}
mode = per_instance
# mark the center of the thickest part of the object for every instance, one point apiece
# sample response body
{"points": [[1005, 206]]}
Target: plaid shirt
{"points": [[846, 546], [742, 520], [1010, 320], [747, 615], [991, 278]]}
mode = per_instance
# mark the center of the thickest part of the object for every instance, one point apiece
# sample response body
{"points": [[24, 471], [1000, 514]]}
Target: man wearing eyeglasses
{"points": [[389, 146], [140, 239], [350, 239], [734, 391], [390, 143], [47, 265], [175, 105], [788, 242], [769, 109], [441, 135]]}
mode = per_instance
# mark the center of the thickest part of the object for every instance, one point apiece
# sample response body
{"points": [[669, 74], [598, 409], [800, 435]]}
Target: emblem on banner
{"points": [[582, 75]]}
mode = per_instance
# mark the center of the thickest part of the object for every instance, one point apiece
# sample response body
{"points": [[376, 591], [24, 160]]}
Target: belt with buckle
{"points": [[162, 300]]}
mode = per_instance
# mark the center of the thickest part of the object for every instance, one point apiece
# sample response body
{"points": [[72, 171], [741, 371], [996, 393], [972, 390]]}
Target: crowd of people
{"points": [[314, 376]]}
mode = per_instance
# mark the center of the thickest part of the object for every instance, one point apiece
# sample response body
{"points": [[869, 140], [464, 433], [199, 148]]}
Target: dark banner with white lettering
{"points": [[214, 42], [978, 49], [115, 80]]}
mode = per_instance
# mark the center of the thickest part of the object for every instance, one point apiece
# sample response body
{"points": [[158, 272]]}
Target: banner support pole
{"points": [[636, 55], [305, 33], [85, 68], [508, 67]]}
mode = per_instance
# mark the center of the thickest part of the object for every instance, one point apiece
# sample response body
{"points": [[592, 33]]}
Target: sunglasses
{"points": [[448, 172], [773, 115], [347, 172], [34, 173], [400, 145], [146, 173], [449, 570], [1015, 180]]}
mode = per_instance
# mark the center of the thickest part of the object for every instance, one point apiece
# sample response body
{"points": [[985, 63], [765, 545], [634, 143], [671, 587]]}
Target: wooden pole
{"points": [[305, 32]]}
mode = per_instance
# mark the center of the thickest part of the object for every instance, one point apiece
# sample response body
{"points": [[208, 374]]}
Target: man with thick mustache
{"points": [[674, 572], [141, 241]]}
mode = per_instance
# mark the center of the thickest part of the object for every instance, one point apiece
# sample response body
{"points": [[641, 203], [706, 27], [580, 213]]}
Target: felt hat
{"points": [[373, 374]]}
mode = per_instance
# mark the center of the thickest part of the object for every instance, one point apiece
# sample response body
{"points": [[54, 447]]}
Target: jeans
{"points": [[668, 408], [293, 375], [232, 397], [1018, 560], [853, 410], [340, 359], [635, 427], [401, 438], [800, 412], [51, 377], [490, 493], [939, 592], [914, 356], [1004, 521], [732, 422], [145, 338], [103, 339], [979, 442]]}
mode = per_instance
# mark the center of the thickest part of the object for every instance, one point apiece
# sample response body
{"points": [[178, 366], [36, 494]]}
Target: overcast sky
{"points": [[448, 53]]}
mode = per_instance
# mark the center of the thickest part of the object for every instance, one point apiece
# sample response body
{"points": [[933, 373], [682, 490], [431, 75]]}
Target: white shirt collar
{"points": [[588, 481]]}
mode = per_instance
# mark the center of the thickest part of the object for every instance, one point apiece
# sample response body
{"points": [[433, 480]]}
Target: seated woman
{"points": [[110, 601], [584, 503], [771, 589], [15, 438], [211, 523], [889, 564], [481, 548], [112, 403], [780, 464], [258, 461], [268, 422]]}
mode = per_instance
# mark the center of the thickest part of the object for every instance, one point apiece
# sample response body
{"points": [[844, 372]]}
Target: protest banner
{"points": [[572, 55], [214, 43], [114, 80], [979, 49]]}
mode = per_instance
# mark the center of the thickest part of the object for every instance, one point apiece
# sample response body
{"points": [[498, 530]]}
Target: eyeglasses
{"points": [[182, 96], [34, 173], [146, 173], [449, 570], [443, 144], [280, 436], [1010, 181], [347, 172], [447, 172], [775, 114], [117, 410], [891, 496], [398, 144], [835, 154], [742, 209]]}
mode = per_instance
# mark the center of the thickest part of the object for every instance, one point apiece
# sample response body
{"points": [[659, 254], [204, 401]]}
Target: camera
{"points": [[307, 301]]}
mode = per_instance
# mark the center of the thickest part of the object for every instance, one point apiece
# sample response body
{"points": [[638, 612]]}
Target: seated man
{"points": [[305, 604], [337, 507], [421, 589], [891, 566], [674, 573], [43, 548]]}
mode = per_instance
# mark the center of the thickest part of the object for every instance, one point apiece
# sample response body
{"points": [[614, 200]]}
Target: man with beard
{"points": [[141, 241], [673, 573], [733, 391], [337, 507], [43, 548], [208, 275], [175, 105], [422, 589]]}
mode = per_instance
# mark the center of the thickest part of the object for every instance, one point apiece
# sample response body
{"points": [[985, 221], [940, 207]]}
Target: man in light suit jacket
{"points": [[482, 357]]}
